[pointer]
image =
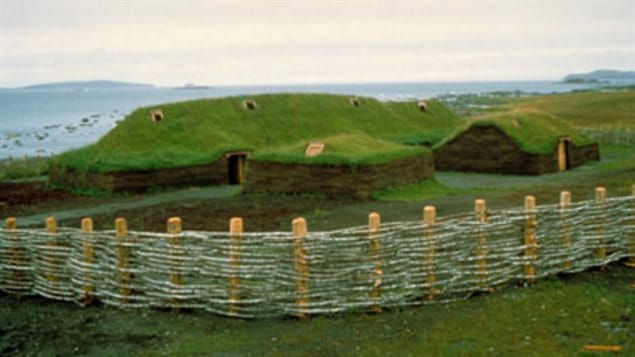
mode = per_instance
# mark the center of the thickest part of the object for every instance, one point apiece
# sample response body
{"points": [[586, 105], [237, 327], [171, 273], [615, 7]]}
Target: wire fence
{"points": [[300, 273]]}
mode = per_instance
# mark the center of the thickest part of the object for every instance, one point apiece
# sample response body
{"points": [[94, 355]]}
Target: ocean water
{"points": [[48, 122]]}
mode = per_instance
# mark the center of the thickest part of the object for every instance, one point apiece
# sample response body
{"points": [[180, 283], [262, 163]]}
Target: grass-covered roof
{"points": [[346, 149], [201, 131], [535, 132]]}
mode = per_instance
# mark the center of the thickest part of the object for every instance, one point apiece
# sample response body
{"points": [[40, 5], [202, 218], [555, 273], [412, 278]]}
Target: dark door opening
{"points": [[236, 168]]}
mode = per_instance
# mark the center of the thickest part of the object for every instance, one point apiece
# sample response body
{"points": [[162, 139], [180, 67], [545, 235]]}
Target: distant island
{"points": [[86, 86], [193, 86], [599, 76]]}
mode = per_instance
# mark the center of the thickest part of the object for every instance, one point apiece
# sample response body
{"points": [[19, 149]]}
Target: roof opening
{"points": [[249, 104], [156, 115]]}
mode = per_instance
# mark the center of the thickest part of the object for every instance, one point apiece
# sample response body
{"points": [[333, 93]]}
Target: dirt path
{"points": [[131, 203]]}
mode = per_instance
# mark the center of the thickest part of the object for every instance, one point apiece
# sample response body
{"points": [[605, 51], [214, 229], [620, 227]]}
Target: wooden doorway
{"points": [[564, 154], [236, 167]]}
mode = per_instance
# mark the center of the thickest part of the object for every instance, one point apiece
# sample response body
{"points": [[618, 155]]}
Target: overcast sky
{"points": [[276, 42]]}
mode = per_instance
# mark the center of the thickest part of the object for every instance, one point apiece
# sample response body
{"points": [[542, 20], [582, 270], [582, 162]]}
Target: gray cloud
{"points": [[256, 42]]}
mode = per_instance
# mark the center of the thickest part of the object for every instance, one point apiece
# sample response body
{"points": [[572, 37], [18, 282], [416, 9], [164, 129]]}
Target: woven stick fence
{"points": [[302, 273]]}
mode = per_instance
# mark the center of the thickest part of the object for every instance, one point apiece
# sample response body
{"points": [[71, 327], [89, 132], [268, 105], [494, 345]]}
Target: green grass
{"points": [[587, 109], [341, 150], [471, 104], [555, 318], [535, 132], [417, 192], [200, 131], [23, 169]]}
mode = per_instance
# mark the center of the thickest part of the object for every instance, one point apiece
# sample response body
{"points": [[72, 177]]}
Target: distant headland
{"points": [[86, 86], [599, 76]]}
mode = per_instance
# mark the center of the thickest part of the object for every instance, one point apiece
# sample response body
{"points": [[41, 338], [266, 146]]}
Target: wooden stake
{"points": [[51, 225], [600, 199], [631, 259], [19, 257], [52, 273], [11, 224], [429, 218], [123, 260], [89, 260], [174, 228], [301, 267], [480, 210], [565, 227], [236, 233], [529, 238], [374, 223]]}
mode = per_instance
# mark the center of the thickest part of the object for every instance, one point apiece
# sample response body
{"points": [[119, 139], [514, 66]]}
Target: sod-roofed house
{"points": [[515, 142], [349, 164], [279, 142]]}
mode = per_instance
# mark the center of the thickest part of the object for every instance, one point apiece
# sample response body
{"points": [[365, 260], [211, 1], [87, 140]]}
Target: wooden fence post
{"points": [[374, 223], [174, 228], [565, 227], [529, 239], [301, 267], [600, 199], [480, 210], [429, 218], [124, 276], [236, 233], [53, 263], [631, 259], [88, 250], [17, 254], [11, 224]]}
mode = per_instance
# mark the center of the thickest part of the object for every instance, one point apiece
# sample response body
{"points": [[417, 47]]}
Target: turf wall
{"points": [[336, 180], [487, 149], [140, 181]]}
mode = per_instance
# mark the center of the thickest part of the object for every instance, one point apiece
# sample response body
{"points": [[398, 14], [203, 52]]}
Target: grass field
{"points": [[587, 109], [592, 109]]}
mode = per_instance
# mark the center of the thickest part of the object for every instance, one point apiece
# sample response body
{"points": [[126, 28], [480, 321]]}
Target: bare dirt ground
{"points": [[21, 194], [206, 208]]}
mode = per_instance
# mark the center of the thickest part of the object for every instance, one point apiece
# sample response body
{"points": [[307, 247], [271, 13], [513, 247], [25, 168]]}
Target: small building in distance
{"points": [[515, 142]]}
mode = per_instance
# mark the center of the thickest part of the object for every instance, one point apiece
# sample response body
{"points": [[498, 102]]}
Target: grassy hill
{"points": [[535, 132], [587, 109], [201, 131]]}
